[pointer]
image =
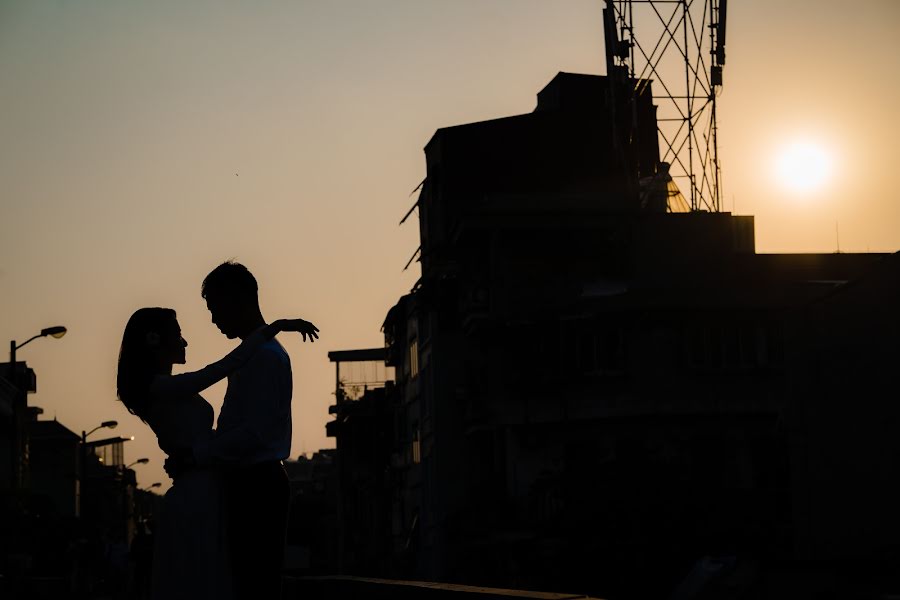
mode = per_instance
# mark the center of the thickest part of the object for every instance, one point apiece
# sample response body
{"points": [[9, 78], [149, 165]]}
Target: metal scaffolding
{"points": [[664, 41]]}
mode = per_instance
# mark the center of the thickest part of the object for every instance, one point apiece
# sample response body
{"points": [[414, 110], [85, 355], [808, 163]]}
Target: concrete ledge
{"points": [[312, 588]]}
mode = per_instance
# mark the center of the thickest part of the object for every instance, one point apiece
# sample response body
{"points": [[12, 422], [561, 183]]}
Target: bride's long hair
{"points": [[137, 364]]}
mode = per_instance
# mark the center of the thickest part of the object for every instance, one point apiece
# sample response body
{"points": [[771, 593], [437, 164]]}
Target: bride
{"points": [[190, 555]]}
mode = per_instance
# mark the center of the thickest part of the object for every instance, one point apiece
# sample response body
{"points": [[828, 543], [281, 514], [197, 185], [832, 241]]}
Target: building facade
{"points": [[590, 392]]}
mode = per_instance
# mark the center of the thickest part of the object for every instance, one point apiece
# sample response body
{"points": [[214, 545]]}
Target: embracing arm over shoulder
{"points": [[197, 381]]}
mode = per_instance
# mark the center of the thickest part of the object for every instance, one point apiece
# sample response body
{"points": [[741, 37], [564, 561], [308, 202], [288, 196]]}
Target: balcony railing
{"points": [[358, 371]]}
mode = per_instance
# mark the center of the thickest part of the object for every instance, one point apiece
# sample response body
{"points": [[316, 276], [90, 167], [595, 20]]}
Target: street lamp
{"points": [[114, 472], [110, 424], [151, 486], [140, 461], [84, 434], [57, 331], [19, 437]]}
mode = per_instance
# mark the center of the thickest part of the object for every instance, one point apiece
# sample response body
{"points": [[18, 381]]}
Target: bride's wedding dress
{"points": [[190, 558]]}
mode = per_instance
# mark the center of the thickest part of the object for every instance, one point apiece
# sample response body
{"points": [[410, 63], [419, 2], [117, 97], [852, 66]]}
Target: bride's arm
{"points": [[197, 381]]}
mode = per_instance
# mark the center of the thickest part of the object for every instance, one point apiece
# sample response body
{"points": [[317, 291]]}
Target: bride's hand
{"points": [[304, 328]]}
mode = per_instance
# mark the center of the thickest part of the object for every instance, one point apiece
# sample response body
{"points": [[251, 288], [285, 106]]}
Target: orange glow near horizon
{"points": [[143, 143]]}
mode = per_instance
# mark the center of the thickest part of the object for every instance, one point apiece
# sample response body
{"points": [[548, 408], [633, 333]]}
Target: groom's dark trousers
{"points": [[257, 503]]}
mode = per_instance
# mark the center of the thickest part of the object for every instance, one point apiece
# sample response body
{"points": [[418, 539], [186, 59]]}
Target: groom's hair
{"points": [[230, 279]]}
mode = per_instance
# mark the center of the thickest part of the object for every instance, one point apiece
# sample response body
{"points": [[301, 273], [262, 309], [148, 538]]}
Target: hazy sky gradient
{"points": [[142, 143]]}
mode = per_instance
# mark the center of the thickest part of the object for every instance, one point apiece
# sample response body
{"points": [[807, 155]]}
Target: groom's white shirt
{"points": [[254, 424]]}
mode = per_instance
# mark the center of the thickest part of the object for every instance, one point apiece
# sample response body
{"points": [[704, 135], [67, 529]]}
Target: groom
{"points": [[253, 436]]}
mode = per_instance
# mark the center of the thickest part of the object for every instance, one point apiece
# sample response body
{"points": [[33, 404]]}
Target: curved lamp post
{"points": [[19, 437], [140, 461], [110, 424], [57, 331]]}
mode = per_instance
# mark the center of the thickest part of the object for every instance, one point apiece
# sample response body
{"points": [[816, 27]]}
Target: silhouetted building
{"points": [[8, 393], [69, 509], [108, 488], [590, 393], [843, 421], [364, 430], [55, 477], [16, 382], [312, 537]]}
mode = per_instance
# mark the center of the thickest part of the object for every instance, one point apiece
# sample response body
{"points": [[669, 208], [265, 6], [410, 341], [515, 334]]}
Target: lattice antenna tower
{"points": [[679, 45]]}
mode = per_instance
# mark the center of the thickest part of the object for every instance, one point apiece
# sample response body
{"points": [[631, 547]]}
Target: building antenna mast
{"points": [[685, 64]]}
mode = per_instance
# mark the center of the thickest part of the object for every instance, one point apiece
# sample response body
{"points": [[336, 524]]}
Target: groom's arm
{"points": [[266, 422]]}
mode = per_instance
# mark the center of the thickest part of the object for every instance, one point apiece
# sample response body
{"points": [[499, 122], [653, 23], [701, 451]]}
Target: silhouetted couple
{"points": [[222, 531]]}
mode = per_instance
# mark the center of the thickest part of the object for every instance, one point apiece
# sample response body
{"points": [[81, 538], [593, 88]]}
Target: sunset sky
{"points": [[143, 143]]}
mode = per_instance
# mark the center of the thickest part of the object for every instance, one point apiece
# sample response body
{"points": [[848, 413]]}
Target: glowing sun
{"points": [[804, 166]]}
